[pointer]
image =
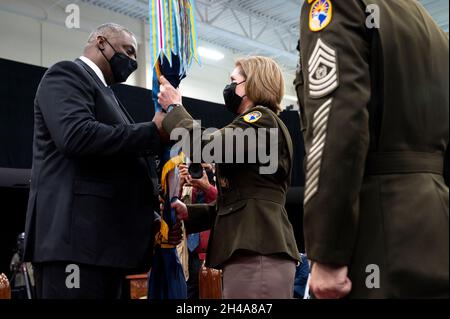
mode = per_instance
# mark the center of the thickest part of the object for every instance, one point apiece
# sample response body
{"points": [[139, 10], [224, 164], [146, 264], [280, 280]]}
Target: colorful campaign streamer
{"points": [[173, 48]]}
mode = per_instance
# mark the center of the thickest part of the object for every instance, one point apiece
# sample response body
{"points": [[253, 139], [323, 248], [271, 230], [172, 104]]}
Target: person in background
{"points": [[203, 192]]}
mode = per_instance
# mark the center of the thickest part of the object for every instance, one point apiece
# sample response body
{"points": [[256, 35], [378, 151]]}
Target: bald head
{"points": [[108, 30]]}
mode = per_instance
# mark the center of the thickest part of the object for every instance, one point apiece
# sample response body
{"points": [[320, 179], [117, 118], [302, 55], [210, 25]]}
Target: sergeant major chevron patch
{"points": [[323, 71]]}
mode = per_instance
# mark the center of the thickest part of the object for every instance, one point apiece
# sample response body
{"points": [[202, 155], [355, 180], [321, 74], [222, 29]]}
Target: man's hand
{"points": [[176, 234], [329, 282], [181, 209], [168, 94], [158, 119]]}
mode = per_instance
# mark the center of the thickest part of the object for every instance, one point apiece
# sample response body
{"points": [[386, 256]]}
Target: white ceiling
{"points": [[268, 27]]}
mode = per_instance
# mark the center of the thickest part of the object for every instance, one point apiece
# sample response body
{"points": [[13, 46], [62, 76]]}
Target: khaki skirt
{"points": [[259, 277]]}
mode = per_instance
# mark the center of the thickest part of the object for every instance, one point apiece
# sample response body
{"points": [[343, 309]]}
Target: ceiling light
{"points": [[210, 54]]}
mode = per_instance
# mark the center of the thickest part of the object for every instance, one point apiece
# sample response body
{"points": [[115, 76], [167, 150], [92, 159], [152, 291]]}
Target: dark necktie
{"points": [[117, 106]]}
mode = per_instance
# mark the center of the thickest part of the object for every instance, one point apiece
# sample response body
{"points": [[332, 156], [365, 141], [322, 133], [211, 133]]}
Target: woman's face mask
{"points": [[232, 100]]}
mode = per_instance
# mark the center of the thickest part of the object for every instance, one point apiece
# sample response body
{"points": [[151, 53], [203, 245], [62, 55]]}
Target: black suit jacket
{"points": [[92, 190]]}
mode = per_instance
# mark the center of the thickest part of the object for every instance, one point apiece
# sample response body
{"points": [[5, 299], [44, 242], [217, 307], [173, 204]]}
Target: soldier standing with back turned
{"points": [[375, 108]]}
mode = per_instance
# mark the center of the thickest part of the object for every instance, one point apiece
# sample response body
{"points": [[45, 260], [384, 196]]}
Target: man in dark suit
{"points": [[91, 207]]}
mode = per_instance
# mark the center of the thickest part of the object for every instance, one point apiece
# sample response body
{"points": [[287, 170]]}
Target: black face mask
{"points": [[232, 100], [121, 65]]}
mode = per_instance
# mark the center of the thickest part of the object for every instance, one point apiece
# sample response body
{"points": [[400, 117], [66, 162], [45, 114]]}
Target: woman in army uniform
{"points": [[251, 239]]}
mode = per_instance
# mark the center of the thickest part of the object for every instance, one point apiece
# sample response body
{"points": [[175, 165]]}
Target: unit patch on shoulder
{"points": [[320, 15], [252, 117]]}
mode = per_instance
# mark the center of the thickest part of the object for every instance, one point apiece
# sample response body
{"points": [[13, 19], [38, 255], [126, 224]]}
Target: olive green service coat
{"points": [[373, 91], [249, 214]]}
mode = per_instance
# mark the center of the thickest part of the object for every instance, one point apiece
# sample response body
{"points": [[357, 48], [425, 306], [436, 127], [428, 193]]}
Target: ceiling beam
{"points": [[209, 29]]}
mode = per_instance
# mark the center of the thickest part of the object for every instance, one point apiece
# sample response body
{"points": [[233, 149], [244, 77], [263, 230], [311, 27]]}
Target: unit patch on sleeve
{"points": [[252, 117], [320, 15]]}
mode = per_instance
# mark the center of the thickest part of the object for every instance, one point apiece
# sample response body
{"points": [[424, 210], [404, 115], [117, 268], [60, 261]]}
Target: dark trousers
{"points": [[62, 280], [194, 268]]}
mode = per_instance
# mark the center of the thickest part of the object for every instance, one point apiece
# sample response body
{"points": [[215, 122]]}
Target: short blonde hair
{"points": [[264, 81]]}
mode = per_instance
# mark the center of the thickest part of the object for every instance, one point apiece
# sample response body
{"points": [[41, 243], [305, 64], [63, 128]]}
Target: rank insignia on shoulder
{"points": [[320, 15], [252, 117], [323, 70]]}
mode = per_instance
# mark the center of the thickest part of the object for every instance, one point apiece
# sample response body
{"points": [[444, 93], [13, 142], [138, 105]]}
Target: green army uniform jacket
{"points": [[249, 214], [373, 90]]}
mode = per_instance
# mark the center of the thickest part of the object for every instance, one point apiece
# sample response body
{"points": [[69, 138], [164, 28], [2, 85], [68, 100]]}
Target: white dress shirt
{"points": [[94, 68]]}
